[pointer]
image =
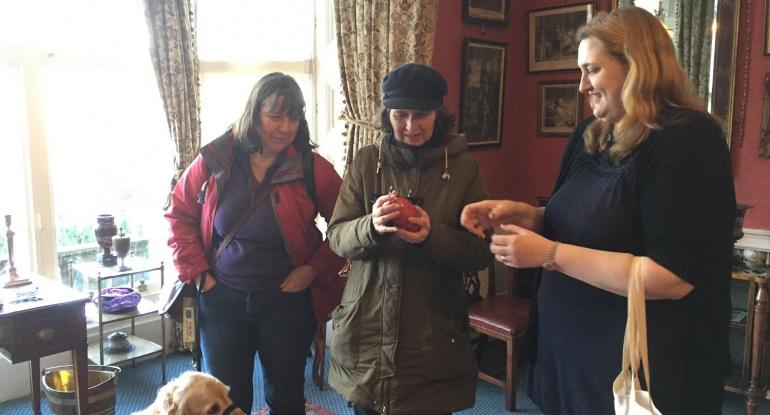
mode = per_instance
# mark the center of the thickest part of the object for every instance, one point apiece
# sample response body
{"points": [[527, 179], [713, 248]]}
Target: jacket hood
{"points": [[220, 152], [402, 156]]}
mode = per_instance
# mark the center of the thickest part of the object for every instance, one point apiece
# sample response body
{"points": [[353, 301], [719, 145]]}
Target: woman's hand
{"points": [[520, 248], [208, 283], [383, 211], [423, 221], [476, 217], [299, 279]]}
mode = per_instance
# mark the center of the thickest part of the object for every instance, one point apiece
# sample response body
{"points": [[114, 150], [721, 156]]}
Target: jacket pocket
{"points": [[446, 351], [344, 345]]}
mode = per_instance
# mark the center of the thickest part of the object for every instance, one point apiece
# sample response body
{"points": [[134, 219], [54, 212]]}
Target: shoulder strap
{"points": [[262, 192], [308, 174], [213, 162]]}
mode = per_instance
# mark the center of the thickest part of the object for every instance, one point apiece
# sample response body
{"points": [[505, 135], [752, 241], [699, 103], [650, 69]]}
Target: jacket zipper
{"points": [[385, 397]]}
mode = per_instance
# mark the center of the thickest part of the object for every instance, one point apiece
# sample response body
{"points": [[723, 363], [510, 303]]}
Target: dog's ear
{"points": [[166, 397]]}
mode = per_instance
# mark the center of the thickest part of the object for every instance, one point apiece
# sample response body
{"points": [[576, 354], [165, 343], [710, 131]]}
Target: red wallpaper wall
{"points": [[497, 163], [525, 165], [752, 174]]}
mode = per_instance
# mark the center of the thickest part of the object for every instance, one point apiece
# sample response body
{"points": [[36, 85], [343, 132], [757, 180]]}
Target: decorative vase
{"points": [[122, 245], [104, 233], [755, 260]]}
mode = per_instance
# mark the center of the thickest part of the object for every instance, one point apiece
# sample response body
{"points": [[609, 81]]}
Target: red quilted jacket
{"points": [[192, 223]]}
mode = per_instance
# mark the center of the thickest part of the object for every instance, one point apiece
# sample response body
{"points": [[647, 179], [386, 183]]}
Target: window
{"points": [[13, 199], [88, 131]]}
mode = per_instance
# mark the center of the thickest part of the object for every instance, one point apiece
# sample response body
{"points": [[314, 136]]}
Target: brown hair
{"points": [[246, 128], [656, 85]]}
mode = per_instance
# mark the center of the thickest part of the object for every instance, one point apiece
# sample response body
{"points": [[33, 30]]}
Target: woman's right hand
{"points": [[208, 283], [383, 211], [476, 217]]}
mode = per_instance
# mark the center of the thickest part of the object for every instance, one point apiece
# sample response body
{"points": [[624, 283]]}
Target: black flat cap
{"points": [[413, 86]]}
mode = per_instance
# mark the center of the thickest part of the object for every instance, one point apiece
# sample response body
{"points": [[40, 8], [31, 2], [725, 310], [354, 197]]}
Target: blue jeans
{"points": [[235, 326]]}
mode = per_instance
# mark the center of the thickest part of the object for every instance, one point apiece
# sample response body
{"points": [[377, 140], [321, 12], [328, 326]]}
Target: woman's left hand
{"points": [[518, 247], [299, 279], [423, 221]]}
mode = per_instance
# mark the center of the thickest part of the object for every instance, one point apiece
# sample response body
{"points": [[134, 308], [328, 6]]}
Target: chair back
{"points": [[511, 281], [473, 283]]}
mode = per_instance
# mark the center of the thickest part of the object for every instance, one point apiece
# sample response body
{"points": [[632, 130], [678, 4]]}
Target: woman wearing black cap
{"points": [[400, 342]]}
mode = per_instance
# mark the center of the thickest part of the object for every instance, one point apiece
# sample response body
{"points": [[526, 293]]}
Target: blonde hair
{"points": [[656, 85]]}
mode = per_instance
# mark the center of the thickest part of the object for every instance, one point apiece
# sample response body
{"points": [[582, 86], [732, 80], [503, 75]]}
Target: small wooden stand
{"points": [[13, 278]]}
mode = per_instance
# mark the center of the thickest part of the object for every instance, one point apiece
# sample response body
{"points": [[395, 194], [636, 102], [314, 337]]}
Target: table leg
{"points": [[80, 363], [34, 382], [756, 391]]}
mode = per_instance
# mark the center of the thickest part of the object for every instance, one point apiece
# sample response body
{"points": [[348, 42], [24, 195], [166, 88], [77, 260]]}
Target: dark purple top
{"points": [[256, 258]]}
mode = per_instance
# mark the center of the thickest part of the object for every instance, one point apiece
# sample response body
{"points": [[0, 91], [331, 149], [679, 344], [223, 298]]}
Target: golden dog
{"points": [[193, 393]]}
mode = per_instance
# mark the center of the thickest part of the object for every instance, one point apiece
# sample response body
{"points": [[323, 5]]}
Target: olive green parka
{"points": [[401, 336]]}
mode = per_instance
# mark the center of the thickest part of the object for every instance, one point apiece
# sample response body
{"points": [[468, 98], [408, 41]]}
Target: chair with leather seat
{"points": [[500, 316]]}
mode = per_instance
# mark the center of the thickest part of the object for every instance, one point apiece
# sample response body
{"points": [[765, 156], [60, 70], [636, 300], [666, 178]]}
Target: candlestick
{"points": [[13, 278]]}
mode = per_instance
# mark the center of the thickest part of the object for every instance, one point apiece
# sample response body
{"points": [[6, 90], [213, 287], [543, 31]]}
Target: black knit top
{"points": [[671, 200]]}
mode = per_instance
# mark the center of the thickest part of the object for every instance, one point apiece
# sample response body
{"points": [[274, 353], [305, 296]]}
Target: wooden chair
{"points": [[319, 354], [504, 317]]}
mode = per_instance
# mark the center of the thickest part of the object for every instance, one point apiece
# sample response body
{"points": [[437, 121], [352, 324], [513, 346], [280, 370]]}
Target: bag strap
{"points": [[262, 192], [635, 352], [308, 175]]}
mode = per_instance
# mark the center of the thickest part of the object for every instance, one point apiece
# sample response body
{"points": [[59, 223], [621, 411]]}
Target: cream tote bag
{"points": [[630, 399]]}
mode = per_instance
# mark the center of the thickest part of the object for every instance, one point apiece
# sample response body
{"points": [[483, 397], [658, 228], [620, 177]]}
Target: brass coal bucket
{"points": [[59, 385]]}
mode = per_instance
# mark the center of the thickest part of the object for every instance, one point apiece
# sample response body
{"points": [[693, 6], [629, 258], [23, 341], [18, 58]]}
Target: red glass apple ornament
{"points": [[406, 210]]}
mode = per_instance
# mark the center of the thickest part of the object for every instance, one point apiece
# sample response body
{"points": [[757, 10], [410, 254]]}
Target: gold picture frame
{"points": [[487, 12], [767, 28], [552, 42], [560, 107]]}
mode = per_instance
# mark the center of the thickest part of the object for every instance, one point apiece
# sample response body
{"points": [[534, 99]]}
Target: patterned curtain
{"points": [[374, 36], [174, 54], [693, 40]]}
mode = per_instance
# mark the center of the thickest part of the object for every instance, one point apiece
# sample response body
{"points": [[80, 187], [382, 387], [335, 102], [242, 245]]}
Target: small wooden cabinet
{"points": [[52, 322]]}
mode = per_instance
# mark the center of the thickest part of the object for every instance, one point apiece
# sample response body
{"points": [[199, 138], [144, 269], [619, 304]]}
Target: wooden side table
{"points": [[758, 324], [52, 323]]}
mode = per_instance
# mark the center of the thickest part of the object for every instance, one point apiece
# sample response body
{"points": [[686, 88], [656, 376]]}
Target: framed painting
{"points": [[481, 98], [560, 107], [552, 43], [487, 12]]}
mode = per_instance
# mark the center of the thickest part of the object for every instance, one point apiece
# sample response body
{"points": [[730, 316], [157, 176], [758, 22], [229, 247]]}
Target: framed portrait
{"points": [[560, 107], [487, 12], [552, 43], [481, 98]]}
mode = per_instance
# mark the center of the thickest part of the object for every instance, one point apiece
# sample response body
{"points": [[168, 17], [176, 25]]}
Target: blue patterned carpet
{"points": [[137, 386]]}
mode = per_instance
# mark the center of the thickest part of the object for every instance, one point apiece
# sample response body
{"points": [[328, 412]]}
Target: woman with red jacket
{"points": [[243, 229]]}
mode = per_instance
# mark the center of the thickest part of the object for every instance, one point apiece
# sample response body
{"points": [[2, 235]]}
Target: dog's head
{"points": [[195, 393]]}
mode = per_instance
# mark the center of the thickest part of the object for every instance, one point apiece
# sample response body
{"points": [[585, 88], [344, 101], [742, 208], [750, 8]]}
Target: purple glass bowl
{"points": [[117, 299]]}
